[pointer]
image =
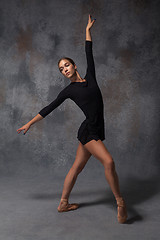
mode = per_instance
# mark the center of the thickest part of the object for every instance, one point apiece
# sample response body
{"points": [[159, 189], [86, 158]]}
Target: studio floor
{"points": [[28, 208]]}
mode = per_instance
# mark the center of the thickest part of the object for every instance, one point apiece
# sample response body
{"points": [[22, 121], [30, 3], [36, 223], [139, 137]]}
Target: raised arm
{"points": [[88, 27], [90, 59], [88, 49]]}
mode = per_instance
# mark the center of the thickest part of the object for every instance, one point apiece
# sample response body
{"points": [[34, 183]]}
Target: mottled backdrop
{"points": [[34, 34]]}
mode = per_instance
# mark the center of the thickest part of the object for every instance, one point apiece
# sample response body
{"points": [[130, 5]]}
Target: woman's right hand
{"points": [[25, 128]]}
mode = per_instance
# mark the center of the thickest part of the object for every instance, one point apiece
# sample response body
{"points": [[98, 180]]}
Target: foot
{"points": [[122, 210], [64, 206]]}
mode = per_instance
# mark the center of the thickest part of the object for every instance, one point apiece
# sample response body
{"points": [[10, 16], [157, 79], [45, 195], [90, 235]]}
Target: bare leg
{"points": [[81, 159], [99, 151]]}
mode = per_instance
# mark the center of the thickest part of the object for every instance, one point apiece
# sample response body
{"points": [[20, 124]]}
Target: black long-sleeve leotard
{"points": [[88, 97]]}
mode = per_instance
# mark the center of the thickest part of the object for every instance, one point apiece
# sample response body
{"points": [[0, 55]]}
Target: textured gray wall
{"points": [[126, 45]]}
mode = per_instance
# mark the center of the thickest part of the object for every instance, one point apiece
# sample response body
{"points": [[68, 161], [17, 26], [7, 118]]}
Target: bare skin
{"points": [[84, 152], [100, 152], [82, 156]]}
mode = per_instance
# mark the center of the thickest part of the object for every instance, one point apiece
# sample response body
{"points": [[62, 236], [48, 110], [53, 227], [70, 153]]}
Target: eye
{"points": [[65, 65]]}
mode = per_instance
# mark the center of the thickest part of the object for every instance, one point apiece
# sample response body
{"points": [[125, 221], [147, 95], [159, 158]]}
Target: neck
{"points": [[76, 77]]}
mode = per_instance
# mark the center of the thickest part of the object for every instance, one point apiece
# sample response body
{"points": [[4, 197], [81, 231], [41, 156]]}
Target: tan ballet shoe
{"points": [[121, 203], [67, 207]]}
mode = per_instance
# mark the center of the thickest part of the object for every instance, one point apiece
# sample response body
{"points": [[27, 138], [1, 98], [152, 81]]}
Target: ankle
{"points": [[119, 197], [120, 201], [64, 200]]}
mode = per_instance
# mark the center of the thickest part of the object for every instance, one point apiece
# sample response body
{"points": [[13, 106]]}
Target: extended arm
{"points": [[45, 111], [54, 104]]}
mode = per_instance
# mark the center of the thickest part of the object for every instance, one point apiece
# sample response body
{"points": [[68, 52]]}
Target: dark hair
{"points": [[69, 59]]}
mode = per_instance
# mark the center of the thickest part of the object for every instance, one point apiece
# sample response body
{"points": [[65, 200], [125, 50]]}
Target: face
{"points": [[66, 68]]}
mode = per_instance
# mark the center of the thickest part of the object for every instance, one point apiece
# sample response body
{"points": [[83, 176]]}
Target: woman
{"points": [[87, 95]]}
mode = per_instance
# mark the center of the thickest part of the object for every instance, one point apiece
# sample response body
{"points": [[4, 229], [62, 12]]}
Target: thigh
{"points": [[99, 151], [82, 156]]}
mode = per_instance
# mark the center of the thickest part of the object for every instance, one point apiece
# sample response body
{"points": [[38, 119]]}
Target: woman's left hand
{"points": [[90, 23]]}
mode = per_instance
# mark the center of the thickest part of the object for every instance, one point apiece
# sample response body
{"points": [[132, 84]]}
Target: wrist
{"points": [[29, 123]]}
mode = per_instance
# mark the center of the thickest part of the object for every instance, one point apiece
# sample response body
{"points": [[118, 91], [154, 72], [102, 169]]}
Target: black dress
{"points": [[88, 97]]}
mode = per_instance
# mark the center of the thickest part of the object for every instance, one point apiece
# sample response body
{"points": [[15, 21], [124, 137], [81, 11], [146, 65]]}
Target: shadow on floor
{"points": [[135, 192], [138, 191]]}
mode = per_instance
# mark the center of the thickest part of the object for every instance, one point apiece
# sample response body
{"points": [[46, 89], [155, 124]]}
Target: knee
{"points": [[79, 170], [110, 165]]}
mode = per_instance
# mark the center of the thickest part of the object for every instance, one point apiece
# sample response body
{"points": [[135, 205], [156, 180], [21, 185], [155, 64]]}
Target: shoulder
{"points": [[66, 91]]}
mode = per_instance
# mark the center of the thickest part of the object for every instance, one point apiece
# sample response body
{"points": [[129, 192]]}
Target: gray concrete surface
{"points": [[28, 209]]}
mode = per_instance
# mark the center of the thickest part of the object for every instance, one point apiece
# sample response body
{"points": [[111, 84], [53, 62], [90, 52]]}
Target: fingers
{"points": [[90, 20], [20, 129]]}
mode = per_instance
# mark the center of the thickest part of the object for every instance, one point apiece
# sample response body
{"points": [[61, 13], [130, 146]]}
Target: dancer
{"points": [[86, 93]]}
